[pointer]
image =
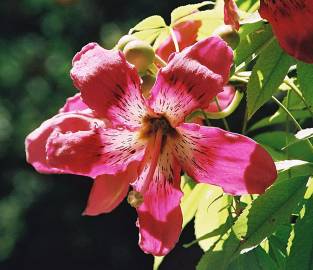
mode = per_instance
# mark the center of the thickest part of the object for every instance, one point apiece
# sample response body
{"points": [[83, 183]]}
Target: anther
{"points": [[135, 198]]}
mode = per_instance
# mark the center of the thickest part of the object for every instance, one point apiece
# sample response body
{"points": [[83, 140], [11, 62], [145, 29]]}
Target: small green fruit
{"points": [[124, 40], [140, 54], [229, 35]]}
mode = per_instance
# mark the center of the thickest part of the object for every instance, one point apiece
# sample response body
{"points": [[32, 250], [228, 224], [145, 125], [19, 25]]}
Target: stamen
{"points": [[154, 160]]}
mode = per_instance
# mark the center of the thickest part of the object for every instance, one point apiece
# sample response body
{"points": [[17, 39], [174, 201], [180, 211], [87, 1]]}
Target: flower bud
{"points": [[135, 198], [229, 35], [124, 40], [140, 54], [147, 83]]}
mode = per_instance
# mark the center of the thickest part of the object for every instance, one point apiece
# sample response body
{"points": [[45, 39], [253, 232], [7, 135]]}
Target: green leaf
{"points": [[267, 74], [253, 39], [265, 213], [212, 216], [277, 140], [293, 168], [305, 77], [258, 221], [256, 259], [301, 251], [301, 135], [183, 11], [279, 118]]}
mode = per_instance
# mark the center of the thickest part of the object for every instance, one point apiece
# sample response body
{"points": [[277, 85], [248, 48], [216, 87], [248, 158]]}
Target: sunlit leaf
{"points": [[153, 22], [253, 38], [258, 221], [267, 74], [212, 216], [179, 13]]}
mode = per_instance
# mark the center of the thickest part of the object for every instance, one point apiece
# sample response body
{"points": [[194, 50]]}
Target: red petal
{"points": [[224, 99], [292, 23], [231, 16], [232, 161], [36, 141], [108, 191], [109, 85], [191, 79], [74, 103], [160, 217], [94, 152], [186, 35]]}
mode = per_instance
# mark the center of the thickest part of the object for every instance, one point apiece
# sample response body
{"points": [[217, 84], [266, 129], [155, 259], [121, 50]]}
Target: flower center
{"points": [[155, 129], [151, 124]]}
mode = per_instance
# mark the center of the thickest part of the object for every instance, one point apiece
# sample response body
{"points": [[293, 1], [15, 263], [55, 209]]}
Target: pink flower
{"points": [[231, 16], [186, 35], [145, 143], [292, 22]]}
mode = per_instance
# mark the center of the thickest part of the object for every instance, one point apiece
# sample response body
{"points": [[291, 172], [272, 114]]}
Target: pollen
{"points": [[135, 198]]}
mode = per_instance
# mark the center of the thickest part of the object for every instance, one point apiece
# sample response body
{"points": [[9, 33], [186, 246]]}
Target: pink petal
{"points": [[224, 99], [186, 35], [74, 103], [292, 23], [232, 161], [109, 85], [94, 152], [231, 16], [191, 79], [108, 191], [160, 217], [35, 142]]}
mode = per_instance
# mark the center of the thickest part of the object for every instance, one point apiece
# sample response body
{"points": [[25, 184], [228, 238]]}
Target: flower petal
{"points": [[109, 85], [108, 191], [191, 79], [35, 143], [224, 99], [232, 161], [159, 216], [231, 16], [186, 35], [292, 23], [94, 152], [74, 103]]}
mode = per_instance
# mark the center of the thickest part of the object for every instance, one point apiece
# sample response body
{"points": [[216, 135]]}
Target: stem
{"points": [[160, 61], [174, 39], [223, 119], [287, 130], [297, 91], [245, 122], [292, 118], [206, 119]]}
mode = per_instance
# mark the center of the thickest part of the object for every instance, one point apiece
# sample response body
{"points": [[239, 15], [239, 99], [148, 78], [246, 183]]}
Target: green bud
{"points": [[124, 40], [229, 35], [140, 54]]}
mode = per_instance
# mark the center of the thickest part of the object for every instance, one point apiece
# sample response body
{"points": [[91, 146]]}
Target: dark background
{"points": [[41, 226]]}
